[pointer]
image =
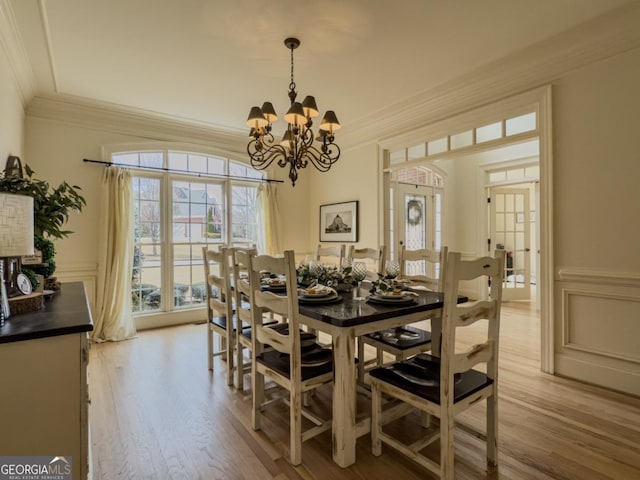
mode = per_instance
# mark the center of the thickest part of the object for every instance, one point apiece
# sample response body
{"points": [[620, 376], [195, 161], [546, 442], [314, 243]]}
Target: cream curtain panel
{"points": [[114, 317], [270, 244]]}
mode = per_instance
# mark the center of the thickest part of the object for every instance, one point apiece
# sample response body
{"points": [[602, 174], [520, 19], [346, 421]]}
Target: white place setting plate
{"points": [[317, 292], [389, 299]]}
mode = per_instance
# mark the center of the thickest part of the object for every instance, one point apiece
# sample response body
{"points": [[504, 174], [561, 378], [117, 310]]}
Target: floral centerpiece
{"points": [[317, 274]]}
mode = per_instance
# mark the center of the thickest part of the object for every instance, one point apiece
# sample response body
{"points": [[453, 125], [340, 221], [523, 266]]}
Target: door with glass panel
{"points": [[510, 230], [416, 223]]}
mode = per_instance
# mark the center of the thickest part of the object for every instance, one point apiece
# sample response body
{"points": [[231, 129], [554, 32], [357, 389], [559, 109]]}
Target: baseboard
{"points": [[596, 374]]}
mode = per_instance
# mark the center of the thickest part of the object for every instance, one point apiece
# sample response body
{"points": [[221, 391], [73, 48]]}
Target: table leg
{"points": [[344, 399]]}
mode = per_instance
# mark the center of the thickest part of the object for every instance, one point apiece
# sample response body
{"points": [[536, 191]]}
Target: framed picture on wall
{"points": [[339, 222]]}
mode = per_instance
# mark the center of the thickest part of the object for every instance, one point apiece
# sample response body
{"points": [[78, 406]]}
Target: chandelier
{"points": [[296, 148]]}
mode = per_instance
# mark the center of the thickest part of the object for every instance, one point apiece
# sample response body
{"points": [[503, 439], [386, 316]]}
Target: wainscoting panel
{"points": [[81, 272], [597, 326]]}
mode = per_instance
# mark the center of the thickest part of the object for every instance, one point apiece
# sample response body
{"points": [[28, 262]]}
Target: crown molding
{"points": [[612, 33], [104, 116], [13, 48]]}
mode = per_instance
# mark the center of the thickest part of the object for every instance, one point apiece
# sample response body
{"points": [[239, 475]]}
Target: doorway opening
{"points": [[520, 184]]}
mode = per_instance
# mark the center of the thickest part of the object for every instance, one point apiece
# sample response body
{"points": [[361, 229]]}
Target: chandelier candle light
{"points": [[296, 148]]}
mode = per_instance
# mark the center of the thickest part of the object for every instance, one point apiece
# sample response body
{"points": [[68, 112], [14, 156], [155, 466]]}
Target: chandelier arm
{"points": [[307, 137], [321, 160], [262, 157]]}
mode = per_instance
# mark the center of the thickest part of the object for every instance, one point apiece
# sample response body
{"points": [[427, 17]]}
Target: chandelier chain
{"points": [[292, 85]]}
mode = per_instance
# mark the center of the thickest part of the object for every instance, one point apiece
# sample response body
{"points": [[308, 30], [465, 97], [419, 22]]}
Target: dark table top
{"points": [[67, 312], [350, 312]]}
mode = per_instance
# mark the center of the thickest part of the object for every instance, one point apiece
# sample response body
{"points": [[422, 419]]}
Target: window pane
{"points": [[151, 159], [489, 132], [244, 214], [216, 165], [532, 172], [523, 123], [419, 151], [463, 139], [241, 170], [188, 276], [146, 278], [497, 176], [178, 161], [397, 156], [437, 146], [126, 159], [516, 173], [197, 163]]}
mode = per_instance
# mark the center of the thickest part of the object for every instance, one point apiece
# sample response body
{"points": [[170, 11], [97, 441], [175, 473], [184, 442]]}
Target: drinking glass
{"points": [[392, 269], [315, 269], [359, 273]]}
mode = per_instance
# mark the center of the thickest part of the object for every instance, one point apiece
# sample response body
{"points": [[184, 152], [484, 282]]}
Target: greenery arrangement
{"points": [[51, 210], [51, 206], [318, 274]]}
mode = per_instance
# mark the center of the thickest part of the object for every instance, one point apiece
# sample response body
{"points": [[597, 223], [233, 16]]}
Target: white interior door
{"points": [[510, 230]]}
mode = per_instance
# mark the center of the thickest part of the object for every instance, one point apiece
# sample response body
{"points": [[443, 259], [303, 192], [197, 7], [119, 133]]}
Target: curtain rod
{"points": [[175, 170]]}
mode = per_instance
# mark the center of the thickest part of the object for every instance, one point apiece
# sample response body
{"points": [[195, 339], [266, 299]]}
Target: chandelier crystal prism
{"points": [[297, 148]]}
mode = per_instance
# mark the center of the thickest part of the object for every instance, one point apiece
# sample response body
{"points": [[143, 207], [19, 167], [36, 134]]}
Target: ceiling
{"points": [[211, 60]]}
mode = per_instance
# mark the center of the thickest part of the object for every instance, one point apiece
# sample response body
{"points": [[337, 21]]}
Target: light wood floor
{"points": [[158, 413]]}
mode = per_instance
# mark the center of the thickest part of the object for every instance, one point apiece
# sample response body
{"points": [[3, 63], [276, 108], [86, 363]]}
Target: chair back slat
{"points": [[272, 302], [479, 353], [434, 262], [468, 315], [472, 269]]}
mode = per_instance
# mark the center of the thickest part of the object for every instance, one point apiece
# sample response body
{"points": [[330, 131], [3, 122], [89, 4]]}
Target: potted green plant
{"points": [[51, 210]]}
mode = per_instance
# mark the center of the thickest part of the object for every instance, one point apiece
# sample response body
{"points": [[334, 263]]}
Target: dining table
{"points": [[344, 321]]}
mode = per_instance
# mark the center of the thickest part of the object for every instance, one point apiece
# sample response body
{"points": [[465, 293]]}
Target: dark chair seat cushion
{"points": [[420, 375], [316, 361], [402, 338], [219, 321]]}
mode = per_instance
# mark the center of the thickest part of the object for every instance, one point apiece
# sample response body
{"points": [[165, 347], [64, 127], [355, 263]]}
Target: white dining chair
{"points": [[220, 315], [331, 255], [445, 383], [290, 362]]}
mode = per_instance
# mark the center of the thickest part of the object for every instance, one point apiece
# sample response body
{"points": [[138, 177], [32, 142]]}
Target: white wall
{"points": [[11, 114], [356, 176], [597, 223]]}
